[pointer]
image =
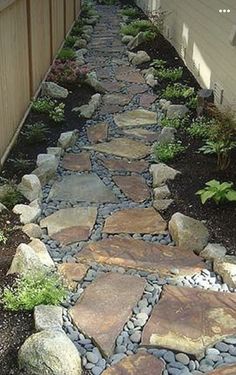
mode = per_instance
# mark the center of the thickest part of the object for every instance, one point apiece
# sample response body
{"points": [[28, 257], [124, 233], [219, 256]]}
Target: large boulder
{"points": [[30, 187], [28, 213], [177, 111], [68, 139], [226, 268], [53, 90], [138, 58], [49, 352], [161, 173], [25, 260], [188, 233]]}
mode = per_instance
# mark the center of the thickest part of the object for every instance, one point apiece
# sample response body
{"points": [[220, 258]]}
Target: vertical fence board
{"points": [[77, 7], [14, 70], [57, 24], [70, 14]]}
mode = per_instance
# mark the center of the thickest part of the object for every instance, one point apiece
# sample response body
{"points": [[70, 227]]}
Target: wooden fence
{"points": [[31, 32]]}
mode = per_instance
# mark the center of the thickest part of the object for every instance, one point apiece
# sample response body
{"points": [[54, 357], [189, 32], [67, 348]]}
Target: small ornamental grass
{"points": [[33, 289], [35, 133], [12, 197], [167, 152], [218, 192]]}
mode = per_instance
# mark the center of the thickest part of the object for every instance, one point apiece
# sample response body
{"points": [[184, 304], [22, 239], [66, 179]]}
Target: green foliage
{"points": [[66, 54], [77, 29], [20, 164], [201, 128], [35, 133], [129, 12], [33, 289], [221, 148], [136, 27], [43, 105], [192, 102], [171, 123], [157, 63], [177, 91], [169, 74], [57, 115], [107, 2], [12, 197], [3, 238], [70, 41], [167, 152], [219, 192]]}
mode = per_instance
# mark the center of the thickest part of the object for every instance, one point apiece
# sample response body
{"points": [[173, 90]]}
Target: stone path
{"points": [[113, 248]]}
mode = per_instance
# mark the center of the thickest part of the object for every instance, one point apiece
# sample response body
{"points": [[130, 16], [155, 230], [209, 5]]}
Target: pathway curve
{"points": [[113, 247]]}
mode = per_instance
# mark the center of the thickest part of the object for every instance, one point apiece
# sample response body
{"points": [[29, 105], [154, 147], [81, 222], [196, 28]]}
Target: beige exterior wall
{"points": [[201, 35]]}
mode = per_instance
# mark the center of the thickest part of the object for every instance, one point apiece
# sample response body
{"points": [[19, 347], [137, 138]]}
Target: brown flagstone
{"points": [[110, 108], [124, 73], [72, 273], [146, 100], [97, 133], [135, 220], [123, 147], [137, 364], [134, 187], [70, 235], [77, 162], [137, 89], [145, 134], [125, 165], [116, 99], [141, 255], [105, 306], [112, 86], [136, 117], [224, 370], [190, 320]]}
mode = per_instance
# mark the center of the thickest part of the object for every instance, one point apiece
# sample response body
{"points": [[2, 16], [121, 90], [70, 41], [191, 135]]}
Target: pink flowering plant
{"points": [[67, 72]]}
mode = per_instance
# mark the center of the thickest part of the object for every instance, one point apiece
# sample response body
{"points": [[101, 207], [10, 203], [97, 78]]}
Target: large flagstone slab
{"points": [[82, 188], [138, 166], [123, 147], [145, 134], [225, 370], [137, 117], [70, 225], [135, 220], [97, 133], [105, 307], [127, 74], [141, 255], [134, 187], [118, 99], [190, 320], [77, 162], [72, 273], [138, 364]]}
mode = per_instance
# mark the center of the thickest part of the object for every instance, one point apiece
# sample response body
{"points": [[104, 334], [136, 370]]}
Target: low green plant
{"points": [[201, 128], [43, 105], [33, 289], [169, 74], [221, 148], [66, 54], [35, 133], [192, 102], [21, 164], [129, 12], [70, 41], [3, 238], [58, 113], [12, 197], [218, 192], [177, 91], [170, 123], [77, 29], [167, 152], [137, 26], [157, 63]]}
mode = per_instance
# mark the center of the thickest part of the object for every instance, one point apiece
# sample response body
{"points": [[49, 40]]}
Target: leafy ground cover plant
{"points": [[77, 29], [167, 152], [3, 238], [70, 41], [63, 72], [218, 192], [158, 63], [12, 197], [66, 54], [136, 27], [33, 289], [129, 12], [43, 105], [35, 133], [201, 127], [177, 91], [170, 123], [58, 113], [21, 164], [168, 74], [221, 148]]}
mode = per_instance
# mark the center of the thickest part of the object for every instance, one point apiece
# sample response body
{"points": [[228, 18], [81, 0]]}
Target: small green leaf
{"points": [[231, 195], [207, 195]]}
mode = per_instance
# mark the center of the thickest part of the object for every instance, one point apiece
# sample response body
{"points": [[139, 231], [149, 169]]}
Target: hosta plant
{"points": [[222, 149], [218, 192]]}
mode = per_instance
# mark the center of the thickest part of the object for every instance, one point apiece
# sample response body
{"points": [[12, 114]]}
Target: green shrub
{"points": [[167, 152], [192, 102], [33, 289], [70, 41], [171, 123], [136, 27], [129, 12], [218, 192], [66, 54], [12, 197], [177, 91], [35, 133], [169, 74], [43, 105], [3, 238], [201, 128]]}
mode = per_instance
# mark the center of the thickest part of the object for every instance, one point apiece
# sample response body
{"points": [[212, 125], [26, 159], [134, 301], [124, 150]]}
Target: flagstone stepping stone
{"points": [[110, 109], [124, 73], [137, 89], [137, 117], [225, 370], [138, 364], [82, 188], [105, 306], [70, 225], [141, 255], [72, 273], [190, 320], [118, 99], [138, 166], [123, 147], [97, 133], [135, 220], [146, 100], [134, 187], [112, 86], [145, 134], [77, 162]]}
